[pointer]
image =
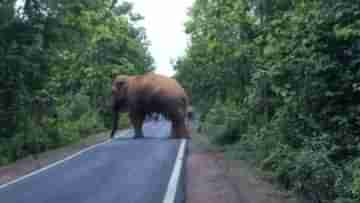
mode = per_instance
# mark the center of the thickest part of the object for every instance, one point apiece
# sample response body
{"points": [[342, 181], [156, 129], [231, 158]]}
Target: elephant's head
{"points": [[119, 99], [119, 92]]}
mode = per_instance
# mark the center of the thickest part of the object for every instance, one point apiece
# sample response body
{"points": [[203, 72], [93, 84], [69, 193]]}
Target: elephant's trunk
{"points": [[115, 123]]}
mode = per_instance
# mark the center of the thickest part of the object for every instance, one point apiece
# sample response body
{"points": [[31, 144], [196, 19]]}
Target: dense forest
{"points": [[57, 60], [278, 81]]}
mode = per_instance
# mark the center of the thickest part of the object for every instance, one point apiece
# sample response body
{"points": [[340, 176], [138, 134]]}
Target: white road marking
{"points": [[51, 165], [123, 134], [174, 179]]}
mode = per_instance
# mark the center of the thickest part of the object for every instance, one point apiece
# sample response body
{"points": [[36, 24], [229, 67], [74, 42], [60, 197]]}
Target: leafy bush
{"points": [[31, 141], [356, 180], [76, 118], [221, 124], [124, 121]]}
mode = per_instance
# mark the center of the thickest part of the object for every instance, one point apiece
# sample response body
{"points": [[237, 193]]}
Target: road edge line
{"points": [[170, 194], [52, 165]]}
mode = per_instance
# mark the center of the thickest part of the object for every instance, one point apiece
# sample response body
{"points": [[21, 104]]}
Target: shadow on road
{"points": [[151, 129]]}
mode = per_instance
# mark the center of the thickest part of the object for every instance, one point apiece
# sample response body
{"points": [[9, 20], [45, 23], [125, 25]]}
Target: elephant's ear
{"points": [[120, 84], [121, 81]]}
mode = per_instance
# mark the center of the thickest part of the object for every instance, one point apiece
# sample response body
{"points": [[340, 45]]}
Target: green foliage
{"points": [[288, 73], [222, 124], [57, 61], [76, 118], [124, 121], [356, 179]]}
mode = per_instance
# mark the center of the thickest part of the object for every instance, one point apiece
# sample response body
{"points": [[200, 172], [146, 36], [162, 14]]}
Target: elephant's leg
{"points": [[175, 118], [179, 128], [137, 121], [173, 132]]}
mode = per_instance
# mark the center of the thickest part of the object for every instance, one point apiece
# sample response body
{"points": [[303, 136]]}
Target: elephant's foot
{"points": [[180, 133], [174, 136], [138, 133], [180, 137], [138, 136], [186, 137]]}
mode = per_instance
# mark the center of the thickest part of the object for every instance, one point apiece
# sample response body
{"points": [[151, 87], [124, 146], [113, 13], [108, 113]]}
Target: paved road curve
{"points": [[123, 170]]}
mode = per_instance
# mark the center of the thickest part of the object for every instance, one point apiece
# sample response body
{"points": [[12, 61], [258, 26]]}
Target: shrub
{"points": [[221, 123], [356, 180]]}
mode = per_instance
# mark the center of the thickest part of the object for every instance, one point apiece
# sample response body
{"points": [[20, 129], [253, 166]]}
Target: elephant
{"points": [[143, 95]]}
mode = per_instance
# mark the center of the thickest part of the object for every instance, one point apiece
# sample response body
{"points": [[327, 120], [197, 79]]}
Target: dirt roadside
{"points": [[212, 178], [29, 164]]}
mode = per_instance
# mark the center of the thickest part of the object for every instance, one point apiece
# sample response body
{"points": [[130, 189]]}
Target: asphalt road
{"points": [[123, 170]]}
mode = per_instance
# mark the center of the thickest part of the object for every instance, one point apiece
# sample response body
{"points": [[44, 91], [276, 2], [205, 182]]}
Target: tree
{"points": [[57, 60], [285, 74]]}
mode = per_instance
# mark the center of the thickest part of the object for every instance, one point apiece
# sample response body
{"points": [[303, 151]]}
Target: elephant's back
{"points": [[154, 82], [158, 91], [170, 83]]}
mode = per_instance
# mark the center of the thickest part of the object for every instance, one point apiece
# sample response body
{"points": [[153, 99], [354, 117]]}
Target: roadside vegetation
{"points": [[57, 59], [278, 82]]}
